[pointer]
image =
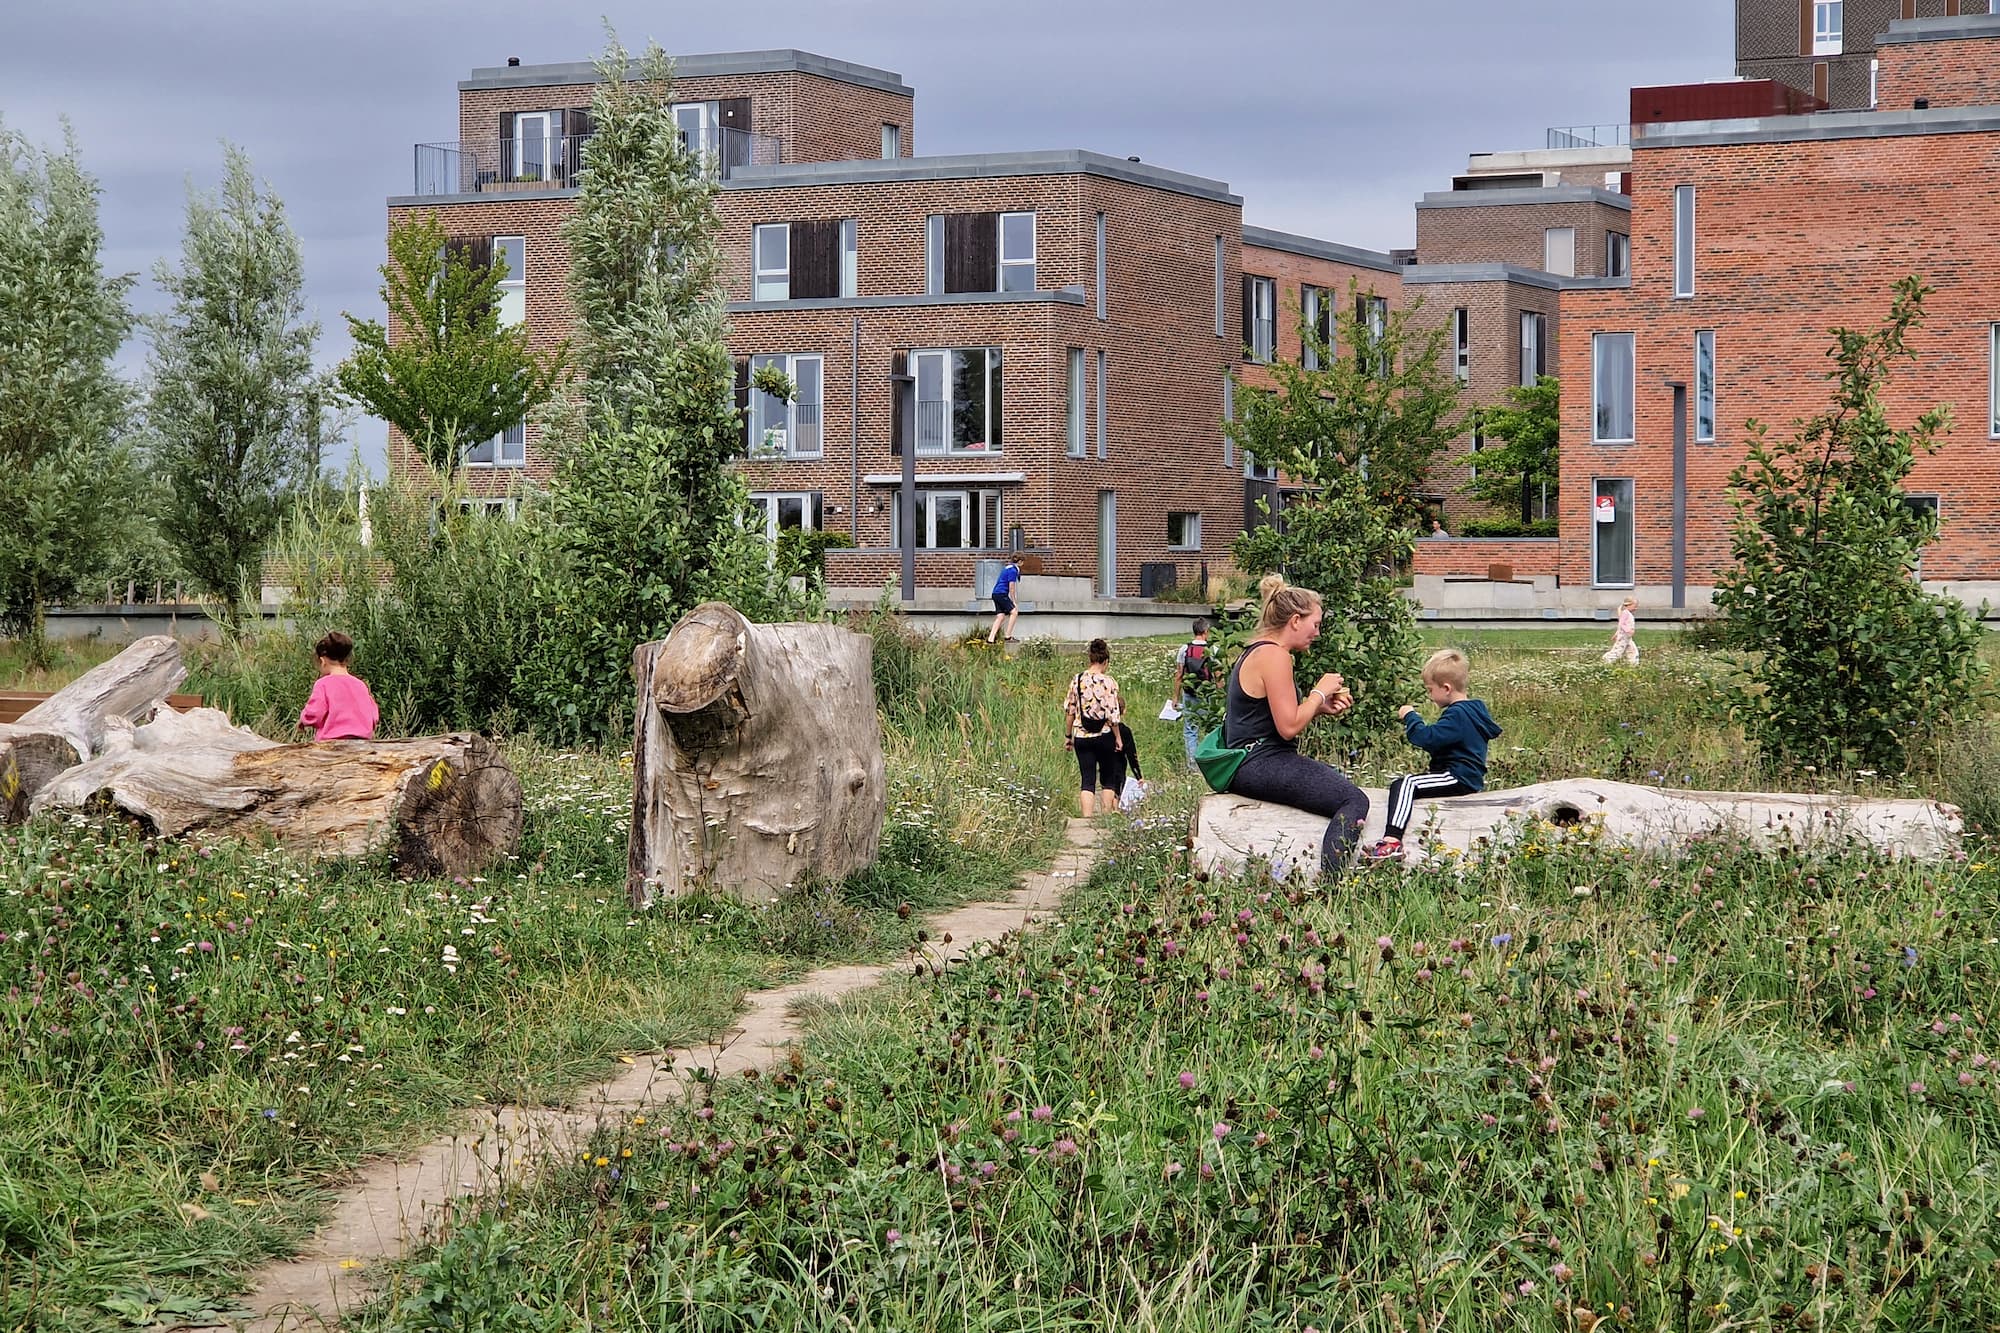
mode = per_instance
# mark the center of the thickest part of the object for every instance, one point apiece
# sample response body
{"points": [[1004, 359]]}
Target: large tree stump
{"points": [[440, 805], [69, 726], [756, 756], [1229, 829]]}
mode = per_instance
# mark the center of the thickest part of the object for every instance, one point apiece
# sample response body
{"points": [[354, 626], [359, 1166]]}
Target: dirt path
{"points": [[392, 1205]]}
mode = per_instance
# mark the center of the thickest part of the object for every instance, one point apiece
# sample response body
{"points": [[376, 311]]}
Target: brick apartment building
{"points": [[1828, 47], [1750, 239]]}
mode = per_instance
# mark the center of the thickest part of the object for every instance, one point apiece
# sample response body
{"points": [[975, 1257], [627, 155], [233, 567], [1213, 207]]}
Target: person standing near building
{"points": [[1625, 647], [1003, 600], [1194, 667]]}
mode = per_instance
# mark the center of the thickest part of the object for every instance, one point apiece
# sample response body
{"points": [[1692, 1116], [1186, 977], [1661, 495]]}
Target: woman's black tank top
{"points": [[1247, 720]]}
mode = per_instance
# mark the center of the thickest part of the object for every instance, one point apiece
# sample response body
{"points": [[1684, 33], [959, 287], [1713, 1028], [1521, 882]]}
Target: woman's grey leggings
{"points": [[1286, 777]]}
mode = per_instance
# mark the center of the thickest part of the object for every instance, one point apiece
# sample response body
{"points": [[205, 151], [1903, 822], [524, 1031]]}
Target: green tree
{"points": [[454, 376], [232, 414], [1519, 463], [1853, 663], [645, 514], [1355, 437], [66, 479]]}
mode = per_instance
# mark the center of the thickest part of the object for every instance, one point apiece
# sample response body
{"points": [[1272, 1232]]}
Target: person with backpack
{"points": [[1092, 712], [1194, 667]]}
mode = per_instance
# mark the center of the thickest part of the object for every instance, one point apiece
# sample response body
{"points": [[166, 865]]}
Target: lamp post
{"points": [[905, 389]]}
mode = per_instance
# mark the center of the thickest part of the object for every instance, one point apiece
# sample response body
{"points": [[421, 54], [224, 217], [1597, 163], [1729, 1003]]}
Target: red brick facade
{"points": [[1952, 72], [1475, 557]]}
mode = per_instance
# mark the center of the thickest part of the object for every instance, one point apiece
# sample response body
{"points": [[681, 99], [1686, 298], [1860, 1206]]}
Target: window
{"points": [[934, 255], [892, 140], [1617, 254], [1826, 27], [1221, 327], [779, 429], [1103, 401], [1461, 342], [788, 509], [773, 244], [1611, 386], [512, 251], [850, 257], [958, 401], [1993, 378], [1478, 443], [1534, 347], [1100, 265], [1372, 313], [1017, 252], [1684, 240], [1704, 385], [507, 449], [1256, 471], [1228, 419], [1316, 314], [696, 121], [1074, 403], [1559, 251], [1260, 317], [1924, 507], [952, 520], [506, 506], [536, 136], [1184, 532], [1611, 532]]}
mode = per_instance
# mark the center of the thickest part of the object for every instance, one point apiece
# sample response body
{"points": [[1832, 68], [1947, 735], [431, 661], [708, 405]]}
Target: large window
{"points": [[787, 509], [1073, 403], [1617, 254], [1684, 240], [1184, 532], [1461, 343], [1017, 252], [1534, 347], [1611, 532], [773, 245], [1611, 386], [779, 429], [1260, 317], [507, 449], [1372, 313], [952, 520], [537, 141], [1559, 251], [1704, 385], [958, 401], [512, 252], [1316, 314], [1827, 21]]}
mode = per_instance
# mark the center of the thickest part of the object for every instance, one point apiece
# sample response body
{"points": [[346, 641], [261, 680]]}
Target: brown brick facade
{"points": [[1475, 557], [1774, 41], [1514, 233]]}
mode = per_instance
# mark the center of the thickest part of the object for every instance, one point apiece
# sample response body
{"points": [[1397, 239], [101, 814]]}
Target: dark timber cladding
{"points": [[971, 252], [816, 258]]}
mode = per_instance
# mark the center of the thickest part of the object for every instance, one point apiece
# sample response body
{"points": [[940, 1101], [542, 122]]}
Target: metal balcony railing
{"points": [[779, 438], [1591, 136], [938, 435], [553, 161]]}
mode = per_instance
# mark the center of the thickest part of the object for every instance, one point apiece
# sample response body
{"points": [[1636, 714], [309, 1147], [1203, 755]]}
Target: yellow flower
{"points": [[638, 1120], [603, 1161], [1741, 1195], [627, 1152], [350, 1264]]}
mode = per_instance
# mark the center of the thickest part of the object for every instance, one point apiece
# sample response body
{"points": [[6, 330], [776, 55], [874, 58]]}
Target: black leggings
{"points": [[1097, 756], [1286, 777]]}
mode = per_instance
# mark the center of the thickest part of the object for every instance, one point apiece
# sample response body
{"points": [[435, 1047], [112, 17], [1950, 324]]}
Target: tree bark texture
{"points": [[756, 757], [70, 725], [439, 805]]}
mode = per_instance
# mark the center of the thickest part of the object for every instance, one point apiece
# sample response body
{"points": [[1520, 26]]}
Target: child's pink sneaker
{"points": [[1387, 849]]}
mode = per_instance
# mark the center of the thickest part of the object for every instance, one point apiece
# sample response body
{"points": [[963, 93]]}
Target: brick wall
{"points": [[1963, 72], [1292, 272], [1794, 239], [1773, 41], [1472, 557], [1513, 233]]}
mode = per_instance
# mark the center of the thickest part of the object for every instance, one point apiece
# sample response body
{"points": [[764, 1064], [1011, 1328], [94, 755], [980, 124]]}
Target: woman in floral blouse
{"points": [[1092, 710]]}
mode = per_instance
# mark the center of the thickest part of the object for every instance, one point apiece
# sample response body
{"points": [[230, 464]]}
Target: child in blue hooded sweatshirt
{"points": [[1456, 742]]}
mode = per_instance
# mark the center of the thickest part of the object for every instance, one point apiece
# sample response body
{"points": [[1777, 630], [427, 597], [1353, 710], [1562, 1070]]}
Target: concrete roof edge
{"points": [[705, 65], [1314, 248], [1547, 194], [1822, 126], [973, 166], [1956, 27]]}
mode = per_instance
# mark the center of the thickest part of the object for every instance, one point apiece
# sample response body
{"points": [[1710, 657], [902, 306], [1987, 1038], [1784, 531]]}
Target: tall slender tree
{"points": [[1521, 462], [233, 405], [65, 476]]}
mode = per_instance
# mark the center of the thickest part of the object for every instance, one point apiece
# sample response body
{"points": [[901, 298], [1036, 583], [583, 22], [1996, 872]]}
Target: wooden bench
{"points": [[13, 703]]}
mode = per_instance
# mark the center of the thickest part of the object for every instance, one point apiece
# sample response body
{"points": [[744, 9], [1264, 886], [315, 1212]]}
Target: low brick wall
{"points": [[1471, 557]]}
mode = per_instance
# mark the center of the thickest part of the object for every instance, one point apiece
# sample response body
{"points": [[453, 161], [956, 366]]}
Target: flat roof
{"points": [[708, 66], [1827, 125], [1424, 274], [975, 166], [1955, 28], [1313, 248], [1532, 194]]}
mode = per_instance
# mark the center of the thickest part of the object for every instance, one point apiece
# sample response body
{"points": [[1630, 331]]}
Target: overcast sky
{"points": [[1329, 119]]}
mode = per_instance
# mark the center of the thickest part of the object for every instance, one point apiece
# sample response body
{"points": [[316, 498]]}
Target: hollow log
{"points": [[439, 805], [69, 726], [1230, 830], [756, 756]]}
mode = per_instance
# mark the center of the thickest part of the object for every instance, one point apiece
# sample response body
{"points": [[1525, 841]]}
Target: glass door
{"points": [[947, 520], [1611, 532], [533, 149], [1107, 543]]}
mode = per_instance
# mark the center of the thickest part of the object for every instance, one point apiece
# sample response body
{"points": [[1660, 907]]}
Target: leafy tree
{"points": [[455, 376], [1356, 437], [1854, 663], [645, 514], [1519, 462], [233, 411], [66, 480]]}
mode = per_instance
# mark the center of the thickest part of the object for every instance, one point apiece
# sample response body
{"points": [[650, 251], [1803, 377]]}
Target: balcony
{"points": [[948, 430], [481, 166], [1593, 136], [780, 438]]}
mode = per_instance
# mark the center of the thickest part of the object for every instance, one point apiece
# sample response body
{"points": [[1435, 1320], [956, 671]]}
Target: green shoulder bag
{"points": [[1218, 762]]}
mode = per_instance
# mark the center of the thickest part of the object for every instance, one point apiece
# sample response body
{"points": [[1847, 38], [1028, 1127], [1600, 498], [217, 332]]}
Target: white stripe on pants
{"points": [[1403, 796]]}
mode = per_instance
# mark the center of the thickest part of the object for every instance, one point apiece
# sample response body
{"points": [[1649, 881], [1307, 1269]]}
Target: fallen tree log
{"points": [[756, 756], [70, 725], [1230, 830], [440, 805]]}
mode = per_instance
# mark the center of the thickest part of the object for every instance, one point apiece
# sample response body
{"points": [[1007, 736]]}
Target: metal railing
{"points": [[1590, 136], [542, 162], [936, 435], [797, 438]]}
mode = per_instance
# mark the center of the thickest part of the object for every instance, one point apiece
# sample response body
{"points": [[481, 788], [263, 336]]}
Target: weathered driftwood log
{"points": [[756, 756], [1229, 829], [69, 726], [440, 805]]}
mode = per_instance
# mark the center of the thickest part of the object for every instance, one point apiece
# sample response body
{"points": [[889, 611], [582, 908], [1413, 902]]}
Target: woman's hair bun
{"points": [[1270, 586]]}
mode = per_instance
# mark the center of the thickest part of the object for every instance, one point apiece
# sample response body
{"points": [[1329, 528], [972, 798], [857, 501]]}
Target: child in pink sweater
{"points": [[341, 708]]}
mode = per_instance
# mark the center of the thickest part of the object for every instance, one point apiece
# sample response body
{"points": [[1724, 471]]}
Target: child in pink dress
{"points": [[1625, 648], [341, 708]]}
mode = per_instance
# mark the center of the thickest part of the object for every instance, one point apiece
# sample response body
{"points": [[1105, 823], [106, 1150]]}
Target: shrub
{"points": [[1505, 527]]}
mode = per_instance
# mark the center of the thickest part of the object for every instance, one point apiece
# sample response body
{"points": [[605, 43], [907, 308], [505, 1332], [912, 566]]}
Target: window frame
{"points": [[1828, 38], [1221, 289], [974, 504], [1550, 237], [1016, 264], [1684, 242], [1617, 254], [507, 449], [762, 277], [1228, 420], [490, 506], [1256, 471], [850, 257], [1631, 531], [1993, 380], [1076, 404], [1263, 347], [769, 502], [760, 426], [934, 254], [1598, 342], [1191, 526], [1312, 299], [548, 138], [892, 140], [1531, 367], [1704, 386], [1103, 250], [1461, 343], [513, 289], [993, 444], [1103, 404]]}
